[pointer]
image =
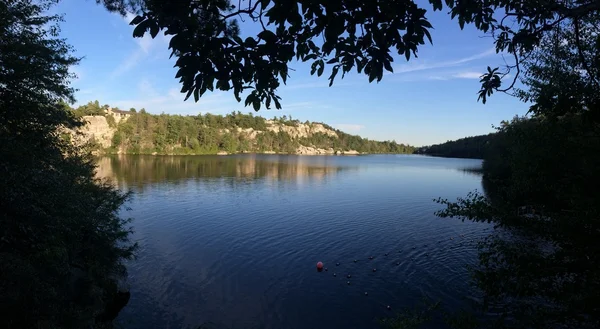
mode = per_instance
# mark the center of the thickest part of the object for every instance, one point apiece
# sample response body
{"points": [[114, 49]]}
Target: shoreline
{"points": [[244, 153]]}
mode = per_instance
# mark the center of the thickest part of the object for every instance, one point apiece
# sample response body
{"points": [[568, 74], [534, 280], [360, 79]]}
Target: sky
{"points": [[425, 101]]}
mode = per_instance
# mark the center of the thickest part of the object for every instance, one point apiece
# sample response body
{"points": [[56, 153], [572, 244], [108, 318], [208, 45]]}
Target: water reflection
{"points": [[137, 171], [234, 240]]}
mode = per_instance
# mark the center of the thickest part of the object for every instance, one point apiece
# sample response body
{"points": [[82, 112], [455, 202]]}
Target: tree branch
{"points": [[581, 56], [517, 66], [248, 11]]}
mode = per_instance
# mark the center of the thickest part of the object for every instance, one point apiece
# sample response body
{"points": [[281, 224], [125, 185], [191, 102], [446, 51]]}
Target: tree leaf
{"points": [[334, 72], [321, 68], [136, 20]]}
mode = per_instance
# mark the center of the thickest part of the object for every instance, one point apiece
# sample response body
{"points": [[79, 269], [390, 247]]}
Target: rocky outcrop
{"points": [[300, 130], [309, 150], [99, 131], [96, 130]]}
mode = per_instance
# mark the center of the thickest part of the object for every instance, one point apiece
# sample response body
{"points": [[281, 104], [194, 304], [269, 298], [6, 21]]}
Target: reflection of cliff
{"points": [[139, 170]]}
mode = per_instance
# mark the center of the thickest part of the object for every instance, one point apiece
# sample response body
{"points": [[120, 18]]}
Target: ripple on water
{"points": [[242, 252]]}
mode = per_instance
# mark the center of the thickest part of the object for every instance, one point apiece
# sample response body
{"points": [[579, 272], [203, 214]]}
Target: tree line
{"points": [[145, 133], [474, 147]]}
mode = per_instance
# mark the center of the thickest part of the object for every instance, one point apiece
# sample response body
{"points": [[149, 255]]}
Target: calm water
{"points": [[233, 241]]}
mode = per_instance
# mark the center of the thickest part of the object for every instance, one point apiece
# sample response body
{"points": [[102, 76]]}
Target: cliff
{"points": [[143, 133], [96, 130]]}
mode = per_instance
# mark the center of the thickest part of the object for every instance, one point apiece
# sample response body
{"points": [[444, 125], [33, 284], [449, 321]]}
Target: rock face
{"points": [[99, 131], [95, 130], [301, 130], [308, 150]]}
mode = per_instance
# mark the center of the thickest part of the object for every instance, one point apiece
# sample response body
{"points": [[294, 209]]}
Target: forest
{"points": [[474, 147], [145, 133]]}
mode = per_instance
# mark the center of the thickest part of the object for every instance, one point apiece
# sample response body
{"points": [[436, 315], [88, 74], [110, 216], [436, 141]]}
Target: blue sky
{"points": [[428, 100]]}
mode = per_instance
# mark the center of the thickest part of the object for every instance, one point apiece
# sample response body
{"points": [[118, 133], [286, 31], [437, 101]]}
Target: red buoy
{"points": [[319, 266]]}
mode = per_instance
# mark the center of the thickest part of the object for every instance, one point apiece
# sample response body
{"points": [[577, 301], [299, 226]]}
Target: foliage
{"points": [[344, 35], [564, 71], [61, 241], [91, 108], [145, 133], [211, 55], [469, 147], [543, 266]]}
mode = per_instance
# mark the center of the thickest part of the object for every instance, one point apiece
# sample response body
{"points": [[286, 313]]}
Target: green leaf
{"points": [[196, 94], [267, 35], [320, 71], [277, 104], [250, 42], [136, 20], [256, 104], [139, 30], [388, 66], [154, 30], [334, 72]]}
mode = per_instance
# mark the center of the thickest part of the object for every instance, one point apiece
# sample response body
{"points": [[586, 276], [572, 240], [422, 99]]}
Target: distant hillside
{"points": [[473, 147], [134, 132]]}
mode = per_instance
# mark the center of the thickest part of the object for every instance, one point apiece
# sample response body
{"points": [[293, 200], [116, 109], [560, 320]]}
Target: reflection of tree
{"points": [[140, 170]]}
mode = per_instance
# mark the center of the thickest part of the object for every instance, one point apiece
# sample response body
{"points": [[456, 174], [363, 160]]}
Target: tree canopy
{"points": [[351, 35], [62, 243]]}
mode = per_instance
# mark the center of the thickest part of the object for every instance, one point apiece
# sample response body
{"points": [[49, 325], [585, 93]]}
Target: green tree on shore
{"points": [[62, 243]]}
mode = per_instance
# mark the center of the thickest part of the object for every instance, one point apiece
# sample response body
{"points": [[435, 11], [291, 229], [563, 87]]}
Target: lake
{"points": [[233, 241]]}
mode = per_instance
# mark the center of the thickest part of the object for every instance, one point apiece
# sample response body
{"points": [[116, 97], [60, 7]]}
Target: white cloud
{"points": [[127, 64], [128, 17], [468, 75], [172, 101], [415, 66], [146, 46], [349, 127]]}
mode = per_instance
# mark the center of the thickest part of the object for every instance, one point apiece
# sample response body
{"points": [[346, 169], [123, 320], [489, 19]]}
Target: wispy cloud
{"points": [[468, 75], [146, 46], [415, 66], [349, 127], [172, 101]]}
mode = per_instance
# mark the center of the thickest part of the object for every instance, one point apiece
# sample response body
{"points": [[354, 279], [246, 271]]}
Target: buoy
{"points": [[326, 269], [398, 263], [370, 257], [334, 274], [388, 307], [319, 266], [355, 260], [385, 254], [366, 293], [414, 248], [374, 270], [348, 276], [348, 282], [337, 264]]}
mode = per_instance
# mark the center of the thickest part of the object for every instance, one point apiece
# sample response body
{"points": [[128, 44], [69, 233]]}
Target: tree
{"points": [[359, 35], [61, 241], [540, 193]]}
